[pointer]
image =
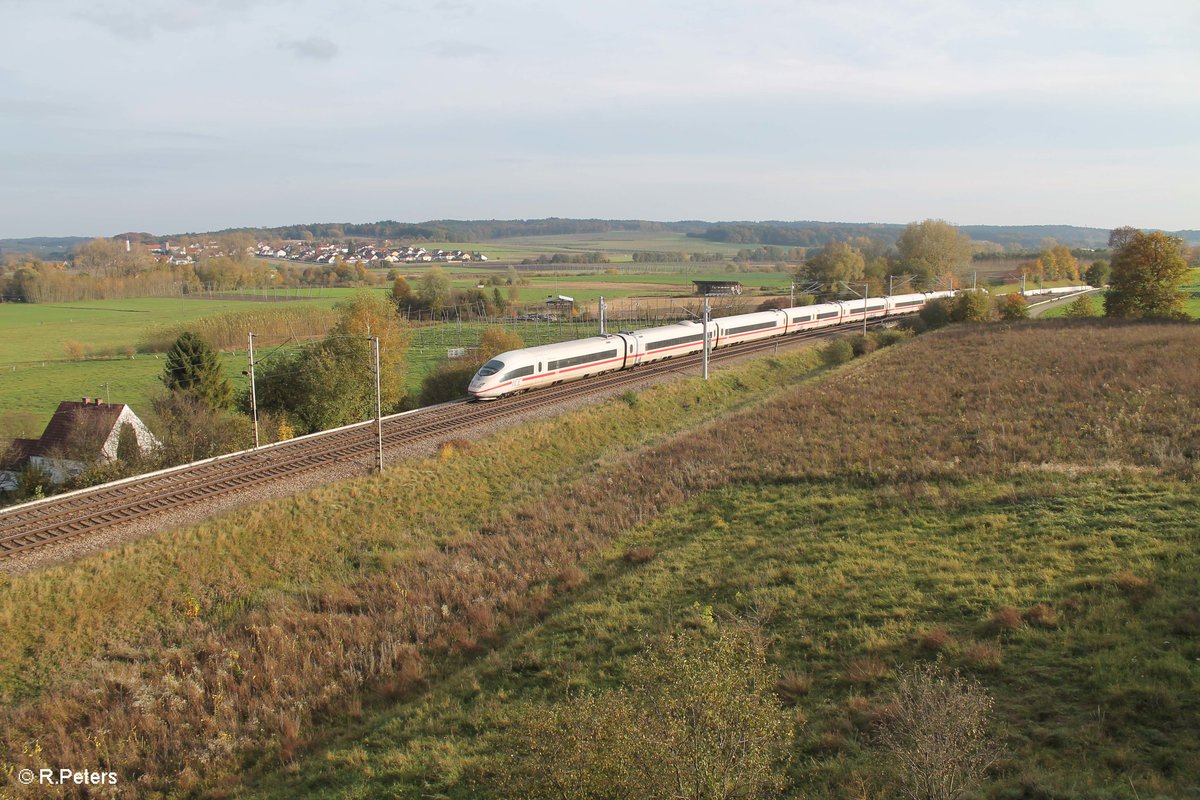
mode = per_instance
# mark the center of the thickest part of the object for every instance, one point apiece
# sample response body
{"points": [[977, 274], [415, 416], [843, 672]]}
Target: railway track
{"points": [[75, 514]]}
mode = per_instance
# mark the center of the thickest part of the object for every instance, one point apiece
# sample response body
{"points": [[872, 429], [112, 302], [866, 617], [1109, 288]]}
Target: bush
{"points": [[937, 734], [1005, 620], [887, 338], [1012, 306], [936, 313], [971, 305], [839, 351], [862, 345], [695, 718], [640, 555], [1041, 615], [1082, 307], [448, 382], [935, 639]]}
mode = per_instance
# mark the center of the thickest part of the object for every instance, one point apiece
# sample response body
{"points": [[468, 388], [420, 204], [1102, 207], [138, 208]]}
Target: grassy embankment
{"points": [[1025, 511], [185, 622]]}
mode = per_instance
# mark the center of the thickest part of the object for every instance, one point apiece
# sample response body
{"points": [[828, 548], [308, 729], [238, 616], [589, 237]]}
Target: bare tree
{"points": [[937, 733]]}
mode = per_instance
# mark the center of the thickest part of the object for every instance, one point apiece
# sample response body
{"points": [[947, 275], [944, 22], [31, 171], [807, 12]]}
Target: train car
{"points": [[668, 341], [548, 364], [804, 318], [906, 303], [749, 327]]}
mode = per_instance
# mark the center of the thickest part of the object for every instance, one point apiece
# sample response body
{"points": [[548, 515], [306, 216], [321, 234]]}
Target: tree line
{"points": [[103, 269]]}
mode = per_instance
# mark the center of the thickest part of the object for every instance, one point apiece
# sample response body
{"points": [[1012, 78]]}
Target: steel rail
{"points": [[106, 506]]}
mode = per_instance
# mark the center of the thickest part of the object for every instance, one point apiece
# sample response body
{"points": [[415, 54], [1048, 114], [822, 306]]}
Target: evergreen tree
{"points": [[193, 368]]}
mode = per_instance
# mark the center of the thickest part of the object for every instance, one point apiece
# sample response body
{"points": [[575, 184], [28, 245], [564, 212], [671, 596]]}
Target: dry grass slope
{"points": [[263, 624]]}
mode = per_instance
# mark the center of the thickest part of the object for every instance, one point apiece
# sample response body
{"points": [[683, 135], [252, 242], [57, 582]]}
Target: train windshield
{"points": [[491, 368]]}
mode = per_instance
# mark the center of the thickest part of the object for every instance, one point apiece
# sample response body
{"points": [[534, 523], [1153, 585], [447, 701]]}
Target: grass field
{"points": [[50, 353], [617, 245], [1024, 512]]}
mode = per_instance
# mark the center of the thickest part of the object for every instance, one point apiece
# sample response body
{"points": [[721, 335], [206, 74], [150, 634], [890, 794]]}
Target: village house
{"points": [[80, 433]]}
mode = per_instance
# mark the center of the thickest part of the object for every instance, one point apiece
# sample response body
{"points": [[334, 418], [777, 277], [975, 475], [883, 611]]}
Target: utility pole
{"points": [[974, 280], [107, 399], [602, 309], [1022, 284], [891, 280], [378, 411], [792, 303], [866, 297], [253, 392], [705, 337]]}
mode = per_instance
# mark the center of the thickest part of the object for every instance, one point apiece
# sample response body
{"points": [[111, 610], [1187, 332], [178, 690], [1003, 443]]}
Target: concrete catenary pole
{"points": [[253, 391], [378, 411], [705, 337]]}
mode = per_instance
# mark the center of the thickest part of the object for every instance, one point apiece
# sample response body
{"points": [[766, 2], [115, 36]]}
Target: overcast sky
{"points": [[188, 115]]}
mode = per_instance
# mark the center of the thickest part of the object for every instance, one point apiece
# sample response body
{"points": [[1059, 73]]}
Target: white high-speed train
{"points": [[1056, 290], [550, 364]]}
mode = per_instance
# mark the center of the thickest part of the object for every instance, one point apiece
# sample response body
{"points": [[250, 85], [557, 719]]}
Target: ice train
{"points": [[550, 364]]}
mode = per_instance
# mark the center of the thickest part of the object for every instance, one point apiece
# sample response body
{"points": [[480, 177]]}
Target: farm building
{"points": [[79, 433]]}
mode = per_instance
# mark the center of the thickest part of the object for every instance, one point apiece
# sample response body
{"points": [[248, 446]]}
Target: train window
{"points": [[519, 372], [827, 315], [539, 366], [802, 319], [491, 368], [573, 361], [875, 306], [691, 337], [758, 326]]}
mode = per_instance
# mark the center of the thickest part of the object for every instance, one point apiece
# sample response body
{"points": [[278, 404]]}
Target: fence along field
{"points": [[1045, 471]]}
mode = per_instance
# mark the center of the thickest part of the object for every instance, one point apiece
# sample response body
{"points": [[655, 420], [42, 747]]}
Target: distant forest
{"points": [[770, 233], [816, 234]]}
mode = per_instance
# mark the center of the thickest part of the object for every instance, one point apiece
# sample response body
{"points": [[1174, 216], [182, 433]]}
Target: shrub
{"points": [[448, 382], [887, 338], [937, 733], [935, 639], [868, 669], [862, 345], [75, 351], [913, 325], [640, 555], [1005, 620], [791, 686], [1041, 615], [839, 351], [773, 303], [695, 718], [1012, 307], [936, 313], [983, 656], [1082, 307], [971, 305]]}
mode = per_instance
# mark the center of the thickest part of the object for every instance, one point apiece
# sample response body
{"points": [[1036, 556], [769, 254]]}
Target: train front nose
{"points": [[478, 386]]}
